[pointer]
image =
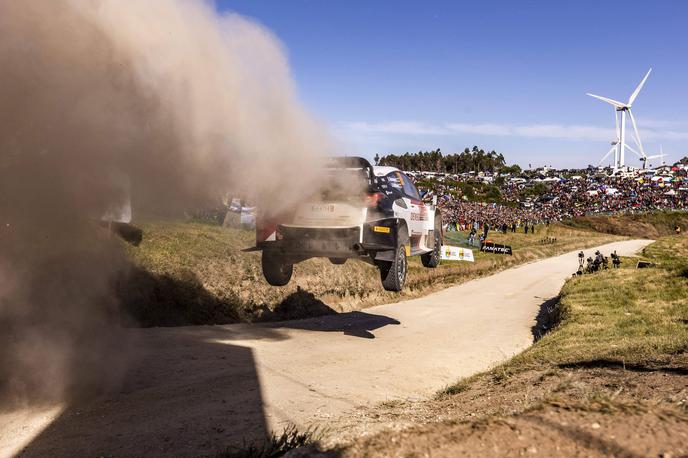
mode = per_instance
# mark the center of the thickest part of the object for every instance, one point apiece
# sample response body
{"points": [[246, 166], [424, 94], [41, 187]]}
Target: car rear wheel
{"points": [[393, 274], [432, 259], [337, 261], [276, 270]]}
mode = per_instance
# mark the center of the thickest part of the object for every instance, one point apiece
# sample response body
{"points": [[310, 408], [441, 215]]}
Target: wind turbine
{"points": [[623, 108], [661, 155]]}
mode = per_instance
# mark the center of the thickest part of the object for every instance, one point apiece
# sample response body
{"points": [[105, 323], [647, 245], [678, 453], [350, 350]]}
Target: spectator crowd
{"points": [[558, 199]]}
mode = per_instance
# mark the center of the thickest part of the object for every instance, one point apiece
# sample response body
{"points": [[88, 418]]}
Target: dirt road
{"points": [[195, 390]]}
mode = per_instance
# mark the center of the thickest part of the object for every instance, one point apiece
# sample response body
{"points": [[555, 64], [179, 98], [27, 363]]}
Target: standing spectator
{"points": [[471, 236], [616, 261]]}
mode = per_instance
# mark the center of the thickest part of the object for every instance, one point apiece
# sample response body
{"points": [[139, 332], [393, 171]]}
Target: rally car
{"points": [[370, 213]]}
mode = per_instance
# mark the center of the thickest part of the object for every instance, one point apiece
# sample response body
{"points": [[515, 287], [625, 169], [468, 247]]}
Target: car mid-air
{"points": [[369, 213]]}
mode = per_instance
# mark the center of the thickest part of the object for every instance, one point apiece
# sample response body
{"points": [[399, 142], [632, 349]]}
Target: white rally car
{"points": [[382, 222]]}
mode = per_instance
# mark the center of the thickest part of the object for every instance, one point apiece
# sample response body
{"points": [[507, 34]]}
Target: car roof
{"points": [[381, 170]]}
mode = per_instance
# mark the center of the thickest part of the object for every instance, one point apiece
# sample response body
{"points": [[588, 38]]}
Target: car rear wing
{"points": [[353, 163]]}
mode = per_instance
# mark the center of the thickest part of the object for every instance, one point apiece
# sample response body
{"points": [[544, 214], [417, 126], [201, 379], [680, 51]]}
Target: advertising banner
{"points": [[491, 247], [454, 253]]}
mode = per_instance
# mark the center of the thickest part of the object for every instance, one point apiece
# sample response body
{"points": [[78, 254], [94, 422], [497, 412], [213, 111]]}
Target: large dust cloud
{"points": [[168, 96]]}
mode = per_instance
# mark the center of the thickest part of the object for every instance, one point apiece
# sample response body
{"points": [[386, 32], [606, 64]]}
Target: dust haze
{"points": [[167, 96]]}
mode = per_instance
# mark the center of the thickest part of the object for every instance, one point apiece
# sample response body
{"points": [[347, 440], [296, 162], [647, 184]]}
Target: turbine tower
{"points": [[620, 109], [615, 145]]}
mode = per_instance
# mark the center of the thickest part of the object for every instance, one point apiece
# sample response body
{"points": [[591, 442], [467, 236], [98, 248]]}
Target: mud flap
{"points": [[386, 242]]}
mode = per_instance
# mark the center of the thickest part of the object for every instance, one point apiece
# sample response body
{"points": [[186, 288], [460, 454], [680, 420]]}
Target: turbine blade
{"points": [[637, 134], [637, 90], [635, 140], [607, 155], [613, 102], [634, 151]]}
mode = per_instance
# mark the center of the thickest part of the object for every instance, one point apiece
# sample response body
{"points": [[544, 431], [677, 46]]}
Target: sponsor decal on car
{"points": [[322, 208], [423, 212]]}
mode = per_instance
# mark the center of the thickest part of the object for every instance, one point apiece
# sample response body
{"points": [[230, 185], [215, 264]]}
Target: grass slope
{"points": [[646, 225], [196, 273], [610, 379]]}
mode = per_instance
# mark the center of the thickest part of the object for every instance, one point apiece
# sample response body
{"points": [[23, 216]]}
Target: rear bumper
{"points": [[300, 243], [340, 242]]}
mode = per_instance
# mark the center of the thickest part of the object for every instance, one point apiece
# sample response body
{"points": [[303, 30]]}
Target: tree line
{"points": [[475, 159]]}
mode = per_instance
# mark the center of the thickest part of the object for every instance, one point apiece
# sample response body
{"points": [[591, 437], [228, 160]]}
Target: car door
{"points": [[418, 215], [402, 203], [423, 223], [409, 207]]}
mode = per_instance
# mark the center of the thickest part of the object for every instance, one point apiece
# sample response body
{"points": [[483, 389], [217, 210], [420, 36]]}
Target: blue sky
{"points": [[389, 77]]}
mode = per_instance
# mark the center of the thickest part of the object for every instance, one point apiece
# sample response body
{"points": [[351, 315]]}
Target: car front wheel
{"points": [[393, 274]]}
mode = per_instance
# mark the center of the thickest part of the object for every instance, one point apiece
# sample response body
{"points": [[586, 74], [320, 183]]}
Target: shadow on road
{"points": [[189, 395], [298, 310], [357, 324], [188, 392]]}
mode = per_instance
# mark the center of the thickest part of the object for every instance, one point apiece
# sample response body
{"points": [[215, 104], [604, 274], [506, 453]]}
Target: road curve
{"points": [[194, 390]]}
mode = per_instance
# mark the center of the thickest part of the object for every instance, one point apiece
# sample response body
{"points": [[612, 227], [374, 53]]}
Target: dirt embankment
{"points": [[598, 409], [648, 225]]}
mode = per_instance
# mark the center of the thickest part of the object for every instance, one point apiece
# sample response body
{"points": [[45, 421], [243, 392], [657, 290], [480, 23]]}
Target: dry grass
{"points": [[195, 273], [275, 445], [628, 315]]}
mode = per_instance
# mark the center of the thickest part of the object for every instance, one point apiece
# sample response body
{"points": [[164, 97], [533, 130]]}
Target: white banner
{"points": [[455, 253]]}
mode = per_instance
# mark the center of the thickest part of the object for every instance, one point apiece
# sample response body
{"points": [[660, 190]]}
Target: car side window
{"points": [[409, 188], [395, 184]]}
